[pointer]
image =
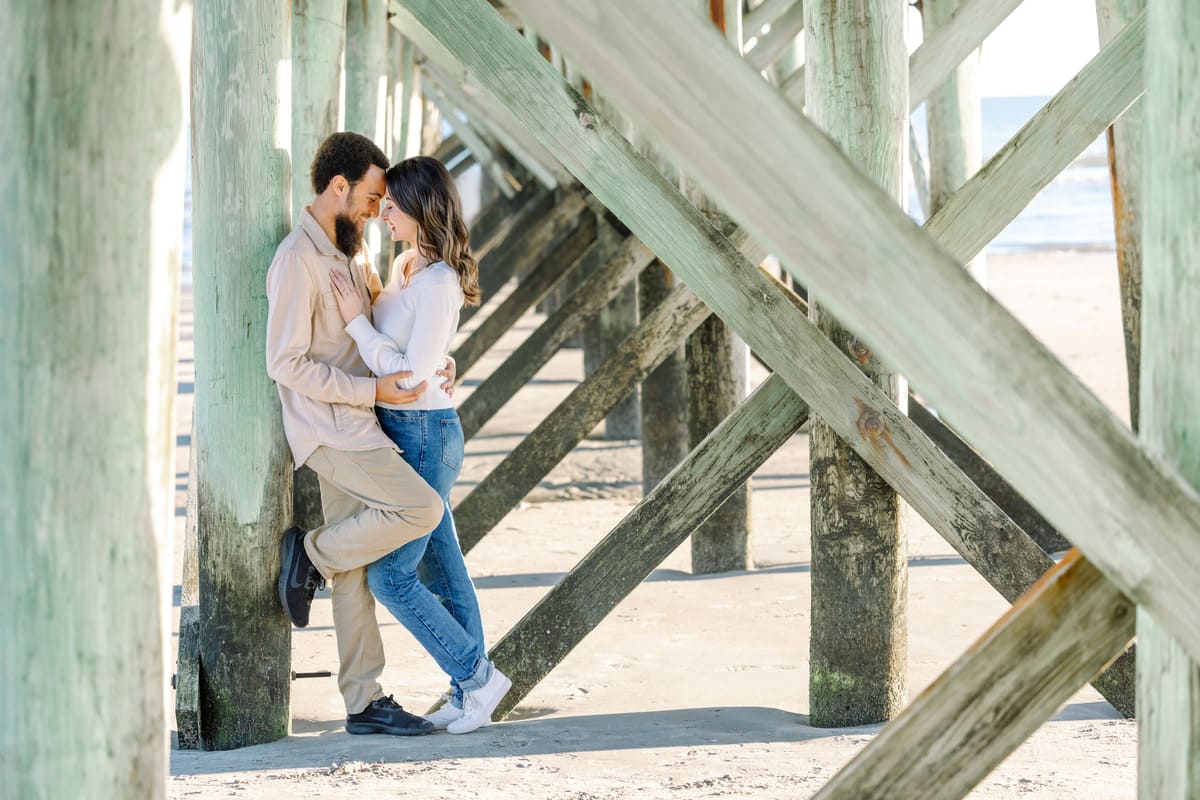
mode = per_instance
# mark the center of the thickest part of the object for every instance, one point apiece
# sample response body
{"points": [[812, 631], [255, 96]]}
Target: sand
{"points": [[695, 686]]}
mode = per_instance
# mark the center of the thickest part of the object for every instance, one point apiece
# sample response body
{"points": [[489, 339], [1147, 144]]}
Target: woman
{"points": [[425, 583]]}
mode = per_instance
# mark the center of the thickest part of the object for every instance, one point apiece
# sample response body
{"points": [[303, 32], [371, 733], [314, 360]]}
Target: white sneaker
{"points": [[444, 715], [479, 704]]}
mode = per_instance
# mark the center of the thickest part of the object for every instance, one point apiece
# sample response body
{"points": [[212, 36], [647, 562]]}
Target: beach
{"points": [[695, 686]]}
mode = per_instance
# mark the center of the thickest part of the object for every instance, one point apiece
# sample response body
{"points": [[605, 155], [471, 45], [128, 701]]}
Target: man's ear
{"points": [[340, 185]]}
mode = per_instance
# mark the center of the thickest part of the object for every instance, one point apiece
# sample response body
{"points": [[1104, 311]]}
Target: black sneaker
{"points": [[298, 578], [385, 715]]}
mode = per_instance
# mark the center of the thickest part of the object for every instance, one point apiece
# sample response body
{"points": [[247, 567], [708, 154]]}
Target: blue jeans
{"points": [[425, 582]]}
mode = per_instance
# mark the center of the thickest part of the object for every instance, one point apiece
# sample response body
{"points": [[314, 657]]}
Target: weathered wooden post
{"points": [[241, 196], [94, 100], [318, 36], [955, 127], [718, 376], [856, 74], [1168, 678], [367, 91], [1125, 152]]}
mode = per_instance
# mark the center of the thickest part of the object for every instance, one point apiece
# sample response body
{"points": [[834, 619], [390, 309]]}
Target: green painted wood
{"points": [[1049, 435], [646, 536], [758, 306], [939, 55], [481, 149], [1125, 148], [603, 333], [495, 218], [240, 214], [533, 353], [574, 418], [997, 694], [1168, 679], [762, 15], [557, 261], [858, 652], [318, 36], [784, 30], [94, 99], [410, 105], [507, 245], [187, 680], [1045, 146], [953, 117], [367, 69]]}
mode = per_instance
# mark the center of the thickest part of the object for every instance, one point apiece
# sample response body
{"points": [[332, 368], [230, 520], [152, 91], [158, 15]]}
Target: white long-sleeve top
{"points": [[414, 326]]}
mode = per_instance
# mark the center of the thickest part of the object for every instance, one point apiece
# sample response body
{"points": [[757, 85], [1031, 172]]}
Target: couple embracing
{"points": [[357, 365]]}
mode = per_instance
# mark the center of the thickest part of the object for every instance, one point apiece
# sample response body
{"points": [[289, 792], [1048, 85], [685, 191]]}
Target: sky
{"points": [[1041, 46]]}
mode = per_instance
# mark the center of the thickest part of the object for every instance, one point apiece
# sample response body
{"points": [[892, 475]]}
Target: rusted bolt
{"points": [[870, 423], [859, 351], [587, 119]]}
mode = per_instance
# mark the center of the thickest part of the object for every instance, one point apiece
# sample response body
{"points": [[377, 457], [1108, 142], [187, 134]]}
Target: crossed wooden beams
{"points": [[839, 255]]}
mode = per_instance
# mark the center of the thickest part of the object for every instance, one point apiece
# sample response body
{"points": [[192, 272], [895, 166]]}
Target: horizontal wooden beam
{"points": [[573, 419], [1046, 433], [588, 299], [726, 458], [997, 693], [756, 305]]}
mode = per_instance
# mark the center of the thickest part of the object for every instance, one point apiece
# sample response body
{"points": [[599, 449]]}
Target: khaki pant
{"points": [[373, 502]]}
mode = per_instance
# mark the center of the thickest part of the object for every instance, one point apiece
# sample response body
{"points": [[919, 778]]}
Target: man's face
{"points": [[359, 204]]}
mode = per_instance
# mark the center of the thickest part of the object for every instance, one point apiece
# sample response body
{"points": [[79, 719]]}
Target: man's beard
{"points": [[348, 235]]}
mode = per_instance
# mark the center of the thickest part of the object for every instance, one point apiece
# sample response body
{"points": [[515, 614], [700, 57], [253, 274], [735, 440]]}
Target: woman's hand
{"points": [[348, 299]]}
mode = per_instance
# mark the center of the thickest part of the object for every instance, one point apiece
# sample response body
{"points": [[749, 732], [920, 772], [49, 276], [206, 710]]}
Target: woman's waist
{"points": [[433, 399]]}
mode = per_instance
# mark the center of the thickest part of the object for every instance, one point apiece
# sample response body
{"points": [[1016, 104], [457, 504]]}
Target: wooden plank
{"points": [[484, 154], [1125, 148], [533, 353], [1079, 465], [954, 121], [1168, 682], [499, 255], [664, 429], [244, 466], [784, 29], [997, 693], [94, 98], [318, 33], [858, 645], [759, 307], [576, 416], [938, 56], [1045, 146], [187, 680], [497, 218], [646, 536], [762, 15], [558, 259]]}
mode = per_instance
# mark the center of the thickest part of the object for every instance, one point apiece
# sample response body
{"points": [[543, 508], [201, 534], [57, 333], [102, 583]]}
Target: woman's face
{"points": [[402, 226]]}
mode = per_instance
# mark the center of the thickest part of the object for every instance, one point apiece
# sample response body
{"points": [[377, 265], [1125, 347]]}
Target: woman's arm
{"points": [[436, 307]]}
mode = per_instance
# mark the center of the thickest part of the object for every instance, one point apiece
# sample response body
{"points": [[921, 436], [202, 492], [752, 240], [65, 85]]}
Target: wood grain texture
{"points": [[318, 37], [997, 693], [1079, 465], [241, 212], [94, 98], [758, 306], [646, 536], [1168, 679], [574, 418]]}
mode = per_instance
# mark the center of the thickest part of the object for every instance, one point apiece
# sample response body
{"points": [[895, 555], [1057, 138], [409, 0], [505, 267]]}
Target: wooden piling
{"points": [[94, 98], [1168, 677], [857, 83], [245, 468]]}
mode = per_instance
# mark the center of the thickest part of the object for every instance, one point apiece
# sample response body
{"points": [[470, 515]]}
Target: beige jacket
{"points": [[327, 392]]}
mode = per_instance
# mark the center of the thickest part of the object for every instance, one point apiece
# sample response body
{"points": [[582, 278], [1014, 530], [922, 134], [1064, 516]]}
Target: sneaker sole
{"points": [[358, 728], [487, 720], [287, 555]]}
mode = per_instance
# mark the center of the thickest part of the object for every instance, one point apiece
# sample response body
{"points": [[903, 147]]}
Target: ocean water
{"points": [[1074, 212]]}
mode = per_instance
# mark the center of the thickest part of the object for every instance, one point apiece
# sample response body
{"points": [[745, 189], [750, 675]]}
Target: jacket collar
{"points": [[315, 232]]}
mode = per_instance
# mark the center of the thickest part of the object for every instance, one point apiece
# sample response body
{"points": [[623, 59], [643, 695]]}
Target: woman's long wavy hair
{"points": [[423, 188]]}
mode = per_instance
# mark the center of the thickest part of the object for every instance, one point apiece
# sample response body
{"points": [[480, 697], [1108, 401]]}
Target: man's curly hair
{"points": [[347, 154]]}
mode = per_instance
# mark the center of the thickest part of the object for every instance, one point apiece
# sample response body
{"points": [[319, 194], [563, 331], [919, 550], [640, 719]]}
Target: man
{"points": [[372, 500]]}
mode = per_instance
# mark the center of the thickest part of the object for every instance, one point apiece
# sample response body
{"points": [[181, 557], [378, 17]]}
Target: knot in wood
{"points": [[859, 351], [870, 422], [587, 119]]}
